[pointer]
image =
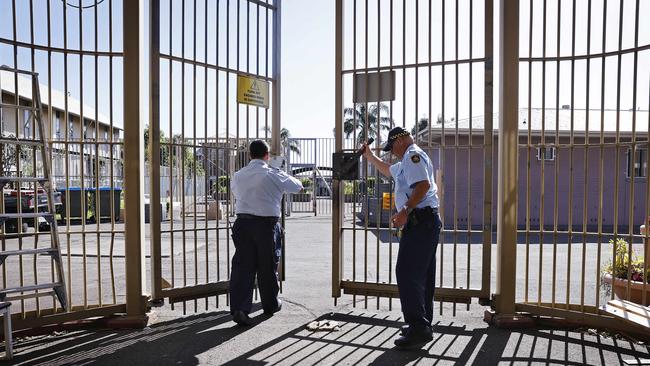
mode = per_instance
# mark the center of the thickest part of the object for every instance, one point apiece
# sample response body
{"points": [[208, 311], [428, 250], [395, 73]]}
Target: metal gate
{"points": [[437, 73], [583, 143], [199, 134], [302, 162], [314, 161], [79, 54]]}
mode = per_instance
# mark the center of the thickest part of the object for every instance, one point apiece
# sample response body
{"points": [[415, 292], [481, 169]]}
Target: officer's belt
{"points": [[426, 210], [420, 215], [255, 217]]}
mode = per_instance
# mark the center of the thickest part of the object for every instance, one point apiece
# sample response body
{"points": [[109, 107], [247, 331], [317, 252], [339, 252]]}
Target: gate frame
{"points": [[287, 151], [455, 295], [178, 294], [135, 303]]}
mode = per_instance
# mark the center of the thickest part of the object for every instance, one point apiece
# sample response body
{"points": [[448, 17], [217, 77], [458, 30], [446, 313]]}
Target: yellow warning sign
{"points": [[387, 204], [252, 91]]}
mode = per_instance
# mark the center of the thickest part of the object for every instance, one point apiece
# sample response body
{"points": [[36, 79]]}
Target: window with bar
{"points": [[546, 153], [26, 124], [71, 127], [640, 163], [58, 125]]}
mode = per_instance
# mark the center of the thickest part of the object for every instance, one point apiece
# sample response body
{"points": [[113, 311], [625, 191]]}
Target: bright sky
{"points": [[308, 67], [308, 57]]}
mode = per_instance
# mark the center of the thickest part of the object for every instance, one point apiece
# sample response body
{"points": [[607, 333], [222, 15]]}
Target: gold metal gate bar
{"points": [[81, 156], [617, 203], [219, 149], [354, 17]]}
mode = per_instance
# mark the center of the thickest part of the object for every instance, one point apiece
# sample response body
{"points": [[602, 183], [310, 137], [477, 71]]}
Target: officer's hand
{"points": [[367, 151], [399, 219]]}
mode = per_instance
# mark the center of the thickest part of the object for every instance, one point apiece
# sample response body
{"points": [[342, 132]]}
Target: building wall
{"points": [[463, 187], [96, 164]]}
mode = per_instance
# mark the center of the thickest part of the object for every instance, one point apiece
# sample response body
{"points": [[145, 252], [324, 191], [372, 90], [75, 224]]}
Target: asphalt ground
{"points": [[202, 332]]}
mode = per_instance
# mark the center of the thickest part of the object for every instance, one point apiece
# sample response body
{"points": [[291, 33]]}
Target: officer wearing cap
{"points": [[416, 200], [256, 233]]}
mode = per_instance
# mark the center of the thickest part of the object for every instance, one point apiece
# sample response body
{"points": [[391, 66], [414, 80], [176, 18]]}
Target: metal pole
{"points": [[337, 215], [508, 143], [275, 113], [488, 149], [133, 159], [154, 145]]}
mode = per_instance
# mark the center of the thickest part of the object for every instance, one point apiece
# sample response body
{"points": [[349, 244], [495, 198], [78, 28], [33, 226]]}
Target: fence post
{"points": [[337, 206], [133, 159], [154, 146], [276, 124], [508, 145], [488, 150]]}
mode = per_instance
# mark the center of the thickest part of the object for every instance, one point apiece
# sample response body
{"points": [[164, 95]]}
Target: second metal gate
{"points": [[199, 134], [443, 95]]}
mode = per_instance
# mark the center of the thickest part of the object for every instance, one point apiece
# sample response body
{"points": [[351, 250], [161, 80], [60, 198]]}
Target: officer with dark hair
{"points": [[416, 199], [256, 233]]}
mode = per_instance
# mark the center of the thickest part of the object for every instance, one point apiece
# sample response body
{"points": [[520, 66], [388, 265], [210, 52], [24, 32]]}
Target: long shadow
{"points": [[363, 339], [177, 341], [452, 343]]}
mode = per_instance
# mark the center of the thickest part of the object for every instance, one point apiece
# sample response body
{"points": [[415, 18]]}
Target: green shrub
{"points": [[306, 182], [348, 188], [222, 184], [624, 264]]}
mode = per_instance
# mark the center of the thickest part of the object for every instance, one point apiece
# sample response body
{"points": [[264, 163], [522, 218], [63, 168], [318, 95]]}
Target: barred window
{"points": [[547, 153], [640, 165]]}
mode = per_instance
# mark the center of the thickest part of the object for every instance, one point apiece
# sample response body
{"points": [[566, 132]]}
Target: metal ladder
{"points": [[58, 287]]}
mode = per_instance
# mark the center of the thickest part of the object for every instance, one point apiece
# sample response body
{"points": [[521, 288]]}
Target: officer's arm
{"points": [[233, 185], [382, 166], [287, 183], [420, 189]]}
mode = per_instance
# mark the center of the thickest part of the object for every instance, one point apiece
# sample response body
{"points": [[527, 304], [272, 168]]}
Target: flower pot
{"points": [[619, 286], [221, 196], [349, 198], [301, 197]]}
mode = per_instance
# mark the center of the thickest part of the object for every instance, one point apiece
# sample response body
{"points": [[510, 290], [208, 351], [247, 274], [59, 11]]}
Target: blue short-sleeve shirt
{"points": [[414, 167], [258, 189]]}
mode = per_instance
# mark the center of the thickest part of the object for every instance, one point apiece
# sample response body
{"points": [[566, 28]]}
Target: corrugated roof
{"points": [[7, 83], [578, 121]]}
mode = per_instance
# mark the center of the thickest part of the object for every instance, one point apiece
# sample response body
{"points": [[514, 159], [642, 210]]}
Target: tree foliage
{"points": [[366, 122], [174, 154]]}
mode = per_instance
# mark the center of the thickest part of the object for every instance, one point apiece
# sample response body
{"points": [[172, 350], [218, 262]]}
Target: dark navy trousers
{"points": [[416, 270], [258, 243]]}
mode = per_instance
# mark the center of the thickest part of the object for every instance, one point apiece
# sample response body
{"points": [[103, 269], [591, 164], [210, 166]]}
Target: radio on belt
{"points": [[346, 164]]}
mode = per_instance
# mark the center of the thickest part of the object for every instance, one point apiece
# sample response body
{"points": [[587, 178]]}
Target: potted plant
{"points": [[348, 192], [221, 188], [615, 275], [306, 194]]}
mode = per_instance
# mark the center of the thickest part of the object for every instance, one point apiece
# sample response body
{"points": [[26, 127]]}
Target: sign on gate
{"points": [[374, 87], [252, 91]]}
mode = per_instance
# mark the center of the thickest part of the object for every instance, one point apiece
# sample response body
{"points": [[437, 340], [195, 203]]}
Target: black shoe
{"points": [[414, 338], [273, 311], [241, 318], [405, 328]]}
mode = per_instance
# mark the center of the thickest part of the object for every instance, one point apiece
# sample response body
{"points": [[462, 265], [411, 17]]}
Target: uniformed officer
{"points": [[416, 200], [256, 233]]}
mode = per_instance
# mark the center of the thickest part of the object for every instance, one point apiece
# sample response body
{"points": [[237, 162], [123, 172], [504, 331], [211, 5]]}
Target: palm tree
{"points": [[285, 140], [355, 120], [422, 125]]}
